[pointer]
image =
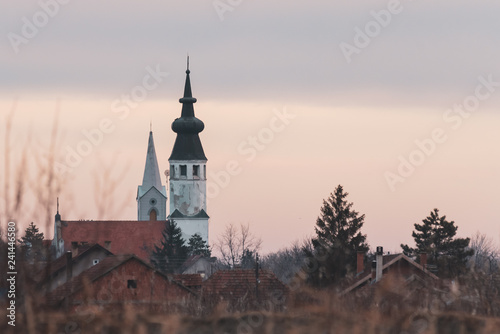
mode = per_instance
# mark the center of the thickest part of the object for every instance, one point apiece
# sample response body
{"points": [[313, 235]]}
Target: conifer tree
{"points": [[172, 252], [436, 237], [31, 243], [332, 254], [198, 246]]}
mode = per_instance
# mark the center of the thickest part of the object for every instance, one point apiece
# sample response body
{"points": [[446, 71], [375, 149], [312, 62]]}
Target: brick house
{"points": [[71, 264], [401, 269], [119, 280]]}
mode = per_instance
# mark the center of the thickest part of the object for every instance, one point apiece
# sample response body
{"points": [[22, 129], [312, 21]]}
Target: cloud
{"points": [[269, 51]]}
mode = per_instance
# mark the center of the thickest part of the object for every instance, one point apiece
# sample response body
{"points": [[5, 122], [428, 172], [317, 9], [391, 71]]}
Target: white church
{"points": [[187, 176], [186, 194]]}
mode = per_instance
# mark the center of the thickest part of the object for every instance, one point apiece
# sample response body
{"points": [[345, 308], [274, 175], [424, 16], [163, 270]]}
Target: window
{"points": [[132, 284], [95, 261], [74, 244], [183, 170], [172, 171], [152, 201], [196, 170], [205, 172], [107, 244]]}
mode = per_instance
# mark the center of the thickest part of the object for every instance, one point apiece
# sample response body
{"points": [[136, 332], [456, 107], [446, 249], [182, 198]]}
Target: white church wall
{"points": [[192, 226], [188, 192]]}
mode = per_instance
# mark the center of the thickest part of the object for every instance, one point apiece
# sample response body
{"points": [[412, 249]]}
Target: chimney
{"points": [[360, 267], [380, 263], [423, 259], [69, 266]]}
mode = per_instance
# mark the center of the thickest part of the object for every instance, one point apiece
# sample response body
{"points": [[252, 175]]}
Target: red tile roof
{"points": [[189, 280], [240, 283], [127, 237]]}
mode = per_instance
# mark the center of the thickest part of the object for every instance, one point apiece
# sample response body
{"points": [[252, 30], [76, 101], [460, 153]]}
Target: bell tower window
{"points": [[196, 171], [183, 170]]}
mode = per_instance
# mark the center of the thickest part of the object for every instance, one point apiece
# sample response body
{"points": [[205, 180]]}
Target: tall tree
{"points": [[338, 238], [436, 237], [198, 246], [32, 242], [172, 252]]}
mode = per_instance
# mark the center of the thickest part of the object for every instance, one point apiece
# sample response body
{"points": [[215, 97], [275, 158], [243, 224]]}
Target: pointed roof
{"points": [[187, 144], [151, 176]]}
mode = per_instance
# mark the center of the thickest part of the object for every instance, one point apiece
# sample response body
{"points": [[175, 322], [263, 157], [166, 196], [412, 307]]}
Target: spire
{"points": [[58, 216], [152, 176], [188, 99], [187, 144]]}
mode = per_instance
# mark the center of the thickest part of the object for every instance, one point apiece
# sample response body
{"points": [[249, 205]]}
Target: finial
{"points": [[57, 205], [188, 71], [150, 125]]}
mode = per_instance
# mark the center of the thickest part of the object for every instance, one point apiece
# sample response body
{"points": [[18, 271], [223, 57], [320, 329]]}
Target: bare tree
{"points": [[486, 254], [234, 243], [286, 262]]}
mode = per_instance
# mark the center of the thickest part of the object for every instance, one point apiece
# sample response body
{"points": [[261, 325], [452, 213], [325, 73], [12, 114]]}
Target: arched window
{"points": [[153, 215]]}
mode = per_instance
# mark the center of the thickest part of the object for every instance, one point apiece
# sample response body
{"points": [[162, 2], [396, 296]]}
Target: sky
{"points": [[397, 101]]}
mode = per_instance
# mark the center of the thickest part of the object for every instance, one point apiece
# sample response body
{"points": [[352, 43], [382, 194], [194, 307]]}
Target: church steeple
{"points": [[187, 144], [188, 170], [151, 195], [151, 176]]}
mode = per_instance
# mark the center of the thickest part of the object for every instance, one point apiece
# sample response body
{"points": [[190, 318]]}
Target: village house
{"points": [[71, 264], [119, 280], [401, 270]]}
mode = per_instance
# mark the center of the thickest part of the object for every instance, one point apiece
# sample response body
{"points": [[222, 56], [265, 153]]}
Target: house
{"points": [[119, 280], [71, 264], [198, 264], [245, 288], [400, 268]]}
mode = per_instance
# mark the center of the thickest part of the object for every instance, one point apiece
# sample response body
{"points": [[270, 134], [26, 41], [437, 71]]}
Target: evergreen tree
{"points": [[172, 252], [198, 246], [32, 242], [248, 259], [436, 237], [332, 254]]}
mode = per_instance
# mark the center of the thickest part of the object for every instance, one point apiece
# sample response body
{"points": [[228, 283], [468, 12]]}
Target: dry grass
{"points": [[471, 307]]}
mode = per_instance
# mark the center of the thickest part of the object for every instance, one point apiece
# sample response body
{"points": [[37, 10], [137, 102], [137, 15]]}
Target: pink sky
{"points": [[355, 116], [280, 191]]}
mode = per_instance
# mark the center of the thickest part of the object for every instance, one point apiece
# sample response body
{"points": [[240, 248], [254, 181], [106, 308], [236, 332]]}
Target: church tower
{"points": [[188, 173], [151, 195]]}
